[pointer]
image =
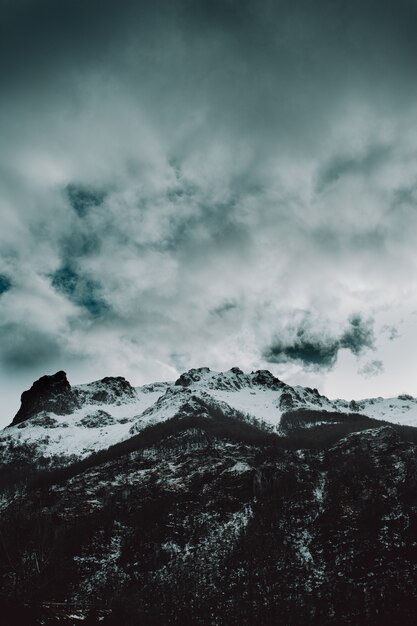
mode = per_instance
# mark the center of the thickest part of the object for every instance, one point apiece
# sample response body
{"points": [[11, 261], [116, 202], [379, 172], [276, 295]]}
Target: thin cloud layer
{"points": [[372, 368], [180, 179]]}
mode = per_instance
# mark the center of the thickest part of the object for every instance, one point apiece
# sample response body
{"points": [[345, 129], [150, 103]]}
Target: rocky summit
{"points": [[49, 393], [221, 498]]}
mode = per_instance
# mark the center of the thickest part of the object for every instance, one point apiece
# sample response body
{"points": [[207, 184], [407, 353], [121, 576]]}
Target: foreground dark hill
{"points": [[210, 516]]}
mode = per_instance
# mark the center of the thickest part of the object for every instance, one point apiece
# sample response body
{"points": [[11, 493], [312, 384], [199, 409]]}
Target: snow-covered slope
{"points": [[265, 397], [259, 394], [103, 418], [399, 410], [57, 422]]}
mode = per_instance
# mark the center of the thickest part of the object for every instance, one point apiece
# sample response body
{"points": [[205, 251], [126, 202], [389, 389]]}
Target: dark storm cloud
{"points": [[175, 175], [80, 241], [308, 345], [82, 199], [27, 348], [358, 335], [314, 352], [348, 165], [5, 284], [40, 36], [224, 53], [80, 290]]}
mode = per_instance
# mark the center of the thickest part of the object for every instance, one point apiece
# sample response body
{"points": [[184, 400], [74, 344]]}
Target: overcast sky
{"points": [[217, 183]]}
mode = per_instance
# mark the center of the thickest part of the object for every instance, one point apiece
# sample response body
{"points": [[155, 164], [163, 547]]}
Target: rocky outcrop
{"points": [[286, 402], [230, 380], [264, 378], [192, 376], [108, 390], [49, 394]]}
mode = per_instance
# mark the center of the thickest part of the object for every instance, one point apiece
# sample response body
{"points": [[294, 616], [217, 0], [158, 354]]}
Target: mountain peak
{"points": [[192, 376], [108, 390], [231, 379], [266, 378], [49, 393]]}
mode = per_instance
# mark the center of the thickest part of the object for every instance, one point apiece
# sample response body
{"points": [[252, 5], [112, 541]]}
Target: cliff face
{"points": [[48, 394]]}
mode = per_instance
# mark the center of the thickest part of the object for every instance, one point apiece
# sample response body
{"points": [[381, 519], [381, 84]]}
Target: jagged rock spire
{"points": [[49, 393]]}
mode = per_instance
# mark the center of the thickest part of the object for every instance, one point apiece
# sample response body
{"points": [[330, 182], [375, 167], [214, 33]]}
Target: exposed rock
{"points": [[97, 419], [50, 394], [375, 441], [266, 379], [193, 375], [286, 402], [44, 420], [108, 390]]}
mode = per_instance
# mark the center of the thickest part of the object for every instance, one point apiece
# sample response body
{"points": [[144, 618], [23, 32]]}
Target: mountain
{"points": [[221, 498], [58, 423]]}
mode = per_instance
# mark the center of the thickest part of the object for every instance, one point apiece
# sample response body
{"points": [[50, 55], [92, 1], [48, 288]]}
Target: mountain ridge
{"points": [[218, 498], [59, 421]]}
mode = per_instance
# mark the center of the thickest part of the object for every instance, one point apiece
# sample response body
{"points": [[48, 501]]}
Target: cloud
{"points": [[5, 284], [391, 331], [358, 336], [372, 368], [82, 199], [80, 290], [177, 179], [26, 348], [225, 308], [314, 347], [363, 164]]}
